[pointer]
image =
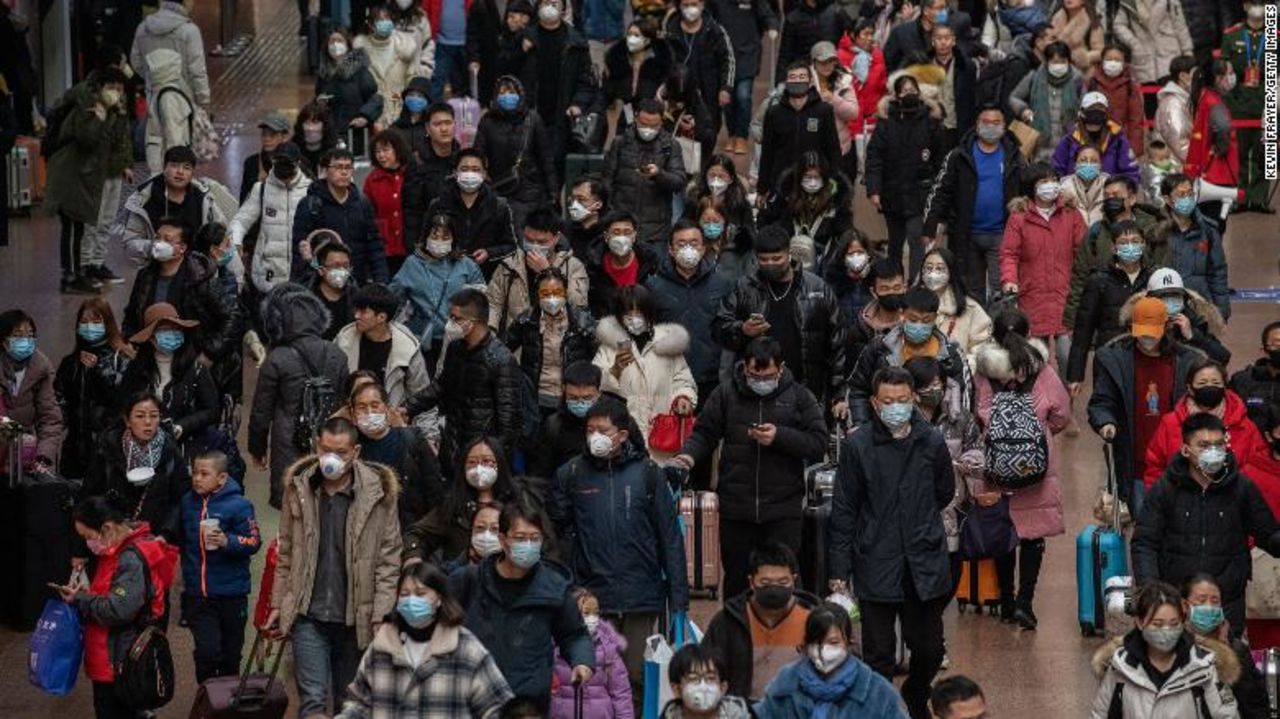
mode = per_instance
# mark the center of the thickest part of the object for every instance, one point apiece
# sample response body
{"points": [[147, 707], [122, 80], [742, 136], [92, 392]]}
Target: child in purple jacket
{"points": [[608, 694]]}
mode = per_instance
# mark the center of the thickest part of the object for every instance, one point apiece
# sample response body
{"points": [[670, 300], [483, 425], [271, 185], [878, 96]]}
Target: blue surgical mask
{"points": [[1088, 171], [383, 27], [21, 348], [579, 407], [415, 103], [526, 554], [896, 415], [170, 341], [917, 332], [227, 256], [508, 101], [91, 332], [1206, 617], [1184, 205], [1174, 305], [416, 611], [712, 230], [1129, 252], [940, 17]]}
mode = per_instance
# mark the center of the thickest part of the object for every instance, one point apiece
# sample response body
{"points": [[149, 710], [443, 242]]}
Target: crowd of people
{"points": [[468, 353]]}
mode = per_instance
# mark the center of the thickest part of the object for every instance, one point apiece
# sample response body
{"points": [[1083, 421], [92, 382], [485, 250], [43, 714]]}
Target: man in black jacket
{"points": [[588, 206], [644, 169], [807, 24], [1259, 383], [745, 22], [978, 178], [772, 427], [893, 482], [480, 390], [619, 261], [482, 223], [796, 124], [1200, 517], [564, 84], [958, 93], [1104, 294], [563, 435], [912, 38], [703, 47], [336, 204], [794, 307], [773, 607], [428, 177]]}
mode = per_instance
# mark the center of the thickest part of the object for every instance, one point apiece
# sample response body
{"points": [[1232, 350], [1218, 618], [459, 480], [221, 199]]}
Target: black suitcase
{"points": [[819, 480], [37, 535], [318, 29]]}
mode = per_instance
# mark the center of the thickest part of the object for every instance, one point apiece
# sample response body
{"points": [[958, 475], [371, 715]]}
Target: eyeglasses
{"points": [[342, 168]]}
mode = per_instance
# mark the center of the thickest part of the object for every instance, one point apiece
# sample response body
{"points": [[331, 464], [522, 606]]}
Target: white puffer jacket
{"points": [[1209, 672], [392, 61], [1173, 118], [1155, 32], [275, 204], [657, 377]]}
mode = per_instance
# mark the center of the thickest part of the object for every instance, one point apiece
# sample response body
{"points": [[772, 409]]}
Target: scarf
{"points": [[137, 454], [1039, 96], [826, 691]]}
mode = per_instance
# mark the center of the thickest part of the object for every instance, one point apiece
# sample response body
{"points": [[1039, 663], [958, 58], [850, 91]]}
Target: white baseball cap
{"points": [[1092, 99], [1165, 279]]}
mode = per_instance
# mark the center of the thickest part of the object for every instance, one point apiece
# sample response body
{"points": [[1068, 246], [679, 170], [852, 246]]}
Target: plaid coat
{"points": [[457, 678]]}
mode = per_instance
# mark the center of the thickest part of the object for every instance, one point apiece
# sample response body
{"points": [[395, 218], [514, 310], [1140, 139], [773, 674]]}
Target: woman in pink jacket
{"points": [[1040, 241], [1013, 363], [607, 695]]}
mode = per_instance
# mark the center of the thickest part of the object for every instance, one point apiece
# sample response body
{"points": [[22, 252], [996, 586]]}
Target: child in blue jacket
{"points": [[215, 564]]}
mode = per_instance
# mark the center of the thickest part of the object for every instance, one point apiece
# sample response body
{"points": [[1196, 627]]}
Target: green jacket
{"points": [[1097, 249], [1244, 102], [92, 151]]}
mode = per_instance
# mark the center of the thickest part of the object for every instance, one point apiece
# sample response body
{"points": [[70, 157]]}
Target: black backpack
{"points": [[319, 398], [1017, 447], [144, 677]]}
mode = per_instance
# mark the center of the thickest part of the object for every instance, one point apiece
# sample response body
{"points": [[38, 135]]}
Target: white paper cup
{"points": [[207, 526]]}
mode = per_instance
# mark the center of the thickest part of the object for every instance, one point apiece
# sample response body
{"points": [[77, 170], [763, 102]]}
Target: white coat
{"points": [[406, 371], [970, 330], [658, 376], [1155, 32], [274, 204], [1212, 668], [392, 61]]}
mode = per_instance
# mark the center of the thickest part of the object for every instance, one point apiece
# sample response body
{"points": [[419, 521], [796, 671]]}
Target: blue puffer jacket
{"points": [[427, 284], [692, 304], [222, 572], [354, 223], [1198, 256], [618, 517]]}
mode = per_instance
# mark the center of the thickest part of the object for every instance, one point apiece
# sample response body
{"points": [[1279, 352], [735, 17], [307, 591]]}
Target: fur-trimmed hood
{"points": [[1225, 658], [991, 360], [290, 311], [368, 476], [1022, 203], [888, 104], [1196, 302], [669, 339], [348, 67]]}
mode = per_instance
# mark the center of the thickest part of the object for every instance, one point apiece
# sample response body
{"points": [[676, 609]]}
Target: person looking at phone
{"points": [[643, 170]]}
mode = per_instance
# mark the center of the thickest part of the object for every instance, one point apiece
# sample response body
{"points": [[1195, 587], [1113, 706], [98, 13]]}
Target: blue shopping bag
{"points": [[657, 656], [56, 648]]}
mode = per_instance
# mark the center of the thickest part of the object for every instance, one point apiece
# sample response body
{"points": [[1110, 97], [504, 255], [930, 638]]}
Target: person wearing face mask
{"points": [[812, 205], [1241, 45], [387, 348], [384, 188], [698, 687], [798, 123], [620, 530], [705, 48], [563, 81], [1213, 154], [771, 426], [1048, 97], [293, 319], [1094, 126], [513, 290], [394, 55], [643, 361], [88, 161], [911, 38], [758, 630], [960, 318], [339, 556], [1134, 385], [484, 539], [608, 693], [1155, 33], [549, 337], [1108, 290], [828, 681], [1195, 244], [115, 604], [719, 188], [331, 281], [1085, 188], [904, 154], [1113, 77], [1259, 383], [257, 167], [27, 386], [1076, 23], [271, 206], [514, 138], [483, 229], [643, 169], [88, 381], [887, 286], [1206, 622], [588, 206], [422, 658], [519, 592], [895, 472], [634, 69], [345, 76], [1193, 320], [436, 269], [847, 271], [562, 435], [1206, 393], [174, 193], [1174, 119], [1159, 669], [336, 203]]}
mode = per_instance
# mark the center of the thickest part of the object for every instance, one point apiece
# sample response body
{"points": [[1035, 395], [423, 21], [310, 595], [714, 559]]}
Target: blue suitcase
{"points": [[1100, 555]]}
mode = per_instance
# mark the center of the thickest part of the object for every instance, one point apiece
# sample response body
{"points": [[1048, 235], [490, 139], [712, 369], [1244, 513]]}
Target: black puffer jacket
{"points": [[486, 225], [90, 398], [525, 336], [818, 318], [576, 83], [886, 516], [485, 28], [730, 635], [1208, 20], [692, 304], [352, 90], [956, 188], [904, 155], [708, 55], [561, 437], [804, 26], [757, 483], [519, 152], [480, 394], [746, 23], [293, 320], [190, 399], [158, 503], [1098, 316], [648, 198], [885, 350], [1257, 387], [1186, 529], [197, 293], [789, 133], [354, 222], [617, 76], [426, 180], [825, 226]]}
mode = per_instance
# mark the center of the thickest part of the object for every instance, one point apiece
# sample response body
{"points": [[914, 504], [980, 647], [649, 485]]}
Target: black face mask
{"points": [[1096, 117], [931, 398], [797, 89], [1208, 397], [1112, 207], [894, 303], [283, 170], [772, 597], [773, 272], [1274, 357], [909, 102]]}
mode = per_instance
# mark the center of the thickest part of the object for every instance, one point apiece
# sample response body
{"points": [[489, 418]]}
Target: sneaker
{"points": [[78, 285], [104, 274]]}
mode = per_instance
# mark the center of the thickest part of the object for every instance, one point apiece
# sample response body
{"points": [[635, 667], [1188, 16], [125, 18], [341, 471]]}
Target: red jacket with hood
{"points": [[1125, 103], [1243, 437], [1202, 160]]}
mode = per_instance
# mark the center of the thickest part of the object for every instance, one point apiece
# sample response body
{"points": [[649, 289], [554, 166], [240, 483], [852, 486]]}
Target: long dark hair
{"points": [[1206, 78], [1010, 330], [463, 499], [449, 613], [800, 204], [958, 288]]}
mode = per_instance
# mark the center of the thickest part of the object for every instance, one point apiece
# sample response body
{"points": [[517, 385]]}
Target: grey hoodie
{"points": [[171, 27]]}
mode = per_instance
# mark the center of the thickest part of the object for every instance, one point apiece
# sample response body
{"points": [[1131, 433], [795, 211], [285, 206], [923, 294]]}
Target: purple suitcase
{"points": [[252, 695]]}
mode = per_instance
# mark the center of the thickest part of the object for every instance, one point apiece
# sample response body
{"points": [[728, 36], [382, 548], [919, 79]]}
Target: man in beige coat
{"points": [[339, 560]]}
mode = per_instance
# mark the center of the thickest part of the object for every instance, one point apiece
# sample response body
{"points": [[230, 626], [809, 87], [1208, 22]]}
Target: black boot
{"points": [[1004, 577], [1031, 557]]}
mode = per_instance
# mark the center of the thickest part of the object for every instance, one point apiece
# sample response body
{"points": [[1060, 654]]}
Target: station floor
{"points": [[1024, 673]]}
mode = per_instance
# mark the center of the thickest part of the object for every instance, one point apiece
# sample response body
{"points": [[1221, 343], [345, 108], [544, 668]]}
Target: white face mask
{"points": [[691, 13], [635, 324], [332, 466], [161, 251], [338, 50], [700, 696], [1048, 191], [404, 4], [578, 211], [688, 257], [337, 277], [599, 444], [647, 133], [1112, 68], [486, 543], [549, 13], [470, 181], [636, 43], [827, 657], [454, 331], [1059, 69], [857, 262], [593, 623], [717, 185], [936, 280], [439, 248], [1256, 13], [552, 305], [482, 476], [811, 185], [372, 422], [620, 245]]}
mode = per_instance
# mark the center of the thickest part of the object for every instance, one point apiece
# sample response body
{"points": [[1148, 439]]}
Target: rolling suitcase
{"points": [[979, 586], [252, 695], [466, 112], [17, 167], [819, 483], [36, 166], [1100, 555], [1269, 667], [700, 512], [362, 155]]}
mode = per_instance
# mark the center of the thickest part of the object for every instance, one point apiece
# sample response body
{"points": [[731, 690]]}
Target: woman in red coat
{"points": [[1263, 467], [1211, 151], [1114, 78], [859, 53], [1206, 392], [391, 158], [1040, 241]]}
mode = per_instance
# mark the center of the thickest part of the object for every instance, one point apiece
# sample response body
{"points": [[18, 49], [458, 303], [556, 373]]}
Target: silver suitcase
{"points": [[17, 168]]}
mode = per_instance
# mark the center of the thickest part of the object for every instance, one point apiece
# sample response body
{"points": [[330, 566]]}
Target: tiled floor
{"points": [[1042, 672]]}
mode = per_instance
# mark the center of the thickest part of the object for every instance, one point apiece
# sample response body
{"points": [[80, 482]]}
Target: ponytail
{"points": [[1011, 328]]}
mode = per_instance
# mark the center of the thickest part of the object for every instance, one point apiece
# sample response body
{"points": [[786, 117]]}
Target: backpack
{"points": [[1017, 448], [319, 398], [144, 676]]}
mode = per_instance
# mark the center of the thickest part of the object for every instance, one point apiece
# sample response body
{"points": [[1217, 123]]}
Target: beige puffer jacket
{"points": [[1155, 32], [373, 540], [1210, 671]]}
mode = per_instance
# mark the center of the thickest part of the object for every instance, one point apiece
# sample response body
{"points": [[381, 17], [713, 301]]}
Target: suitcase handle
{"points": [[248, 668], [1113, 484]]}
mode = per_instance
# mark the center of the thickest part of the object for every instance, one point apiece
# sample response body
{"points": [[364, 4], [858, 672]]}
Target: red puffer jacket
{"points": [[1243, 437], [1124, 100], [869, 92], [383, 189], [1213, 118]]}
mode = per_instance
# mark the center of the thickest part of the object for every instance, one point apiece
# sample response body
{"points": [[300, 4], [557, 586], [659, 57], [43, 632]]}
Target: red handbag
{"points": [[667, 432]]}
